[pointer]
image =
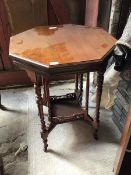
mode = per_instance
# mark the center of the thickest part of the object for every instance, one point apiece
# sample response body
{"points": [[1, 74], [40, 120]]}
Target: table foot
{"points": [[96, 127], [95, 134], [45, 145], [3, 108], [44, 137]]}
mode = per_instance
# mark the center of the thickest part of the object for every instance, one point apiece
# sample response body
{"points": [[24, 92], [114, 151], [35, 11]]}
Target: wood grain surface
{"points": [[61, 45]]}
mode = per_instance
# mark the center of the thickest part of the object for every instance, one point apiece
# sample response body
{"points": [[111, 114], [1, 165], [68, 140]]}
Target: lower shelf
{"points": [[65, 108], [68, 111]]}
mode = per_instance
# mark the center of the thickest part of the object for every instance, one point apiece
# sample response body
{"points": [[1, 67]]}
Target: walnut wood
{"points": [[47, 97], [100, 78], [66, 111], [87, 91], [51, 126], [81, 88], [44, 132], [45, 45], [76, 82], [66, 108], [69, 118], [76, 50]]}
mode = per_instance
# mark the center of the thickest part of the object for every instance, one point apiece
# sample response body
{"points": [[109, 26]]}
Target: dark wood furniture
{"points": [[123, 158], [49, 52]]}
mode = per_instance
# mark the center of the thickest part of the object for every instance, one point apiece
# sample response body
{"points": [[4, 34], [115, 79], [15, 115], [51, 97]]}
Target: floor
{"points": [[72, 149], [13, 131]]}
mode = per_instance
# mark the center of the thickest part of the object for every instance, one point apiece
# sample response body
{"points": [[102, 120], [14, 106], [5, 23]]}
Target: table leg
{"points": [[87, 92], [81, 88], [76, 82], [46, 97], [100, 78], [1, 106], [0, 101], [39, 101]]}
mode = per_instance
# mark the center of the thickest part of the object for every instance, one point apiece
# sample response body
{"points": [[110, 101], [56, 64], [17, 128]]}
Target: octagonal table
{"points": [[47, 52]]}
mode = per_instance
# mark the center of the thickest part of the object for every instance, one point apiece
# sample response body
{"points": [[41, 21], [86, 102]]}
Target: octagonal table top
{"points": [[61, 45]]}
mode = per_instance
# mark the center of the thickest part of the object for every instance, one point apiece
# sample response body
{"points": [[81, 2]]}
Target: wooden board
{"points": [[63, 44], [123, 145]]}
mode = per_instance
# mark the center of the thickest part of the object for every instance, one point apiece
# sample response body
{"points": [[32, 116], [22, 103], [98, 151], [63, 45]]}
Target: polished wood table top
{"points": [[61, 45], [49, 52]]}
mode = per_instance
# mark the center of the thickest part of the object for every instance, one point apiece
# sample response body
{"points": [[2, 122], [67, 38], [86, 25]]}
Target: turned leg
{"points": [[81, 88], [81, 83], [39, 101], [100, 78], [0, 101], [87, 92], [76, 82], [47, 98], [76, 86], [87, 116]]}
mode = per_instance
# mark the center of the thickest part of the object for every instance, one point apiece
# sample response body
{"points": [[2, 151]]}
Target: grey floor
{"points": [[13, 131], [72, 149]]}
